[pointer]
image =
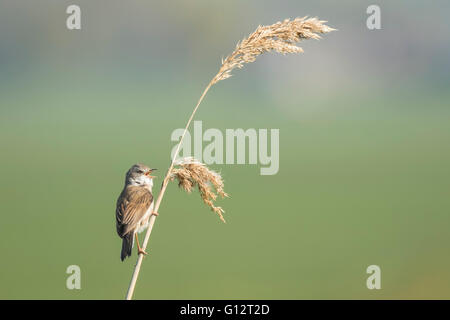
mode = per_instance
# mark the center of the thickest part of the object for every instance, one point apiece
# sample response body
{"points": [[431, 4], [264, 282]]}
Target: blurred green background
{"points": [[364, 175]]}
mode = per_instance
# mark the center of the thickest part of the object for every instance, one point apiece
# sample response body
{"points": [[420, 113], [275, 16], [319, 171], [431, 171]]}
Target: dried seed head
{"points": [[280, 37], [191, 173]]}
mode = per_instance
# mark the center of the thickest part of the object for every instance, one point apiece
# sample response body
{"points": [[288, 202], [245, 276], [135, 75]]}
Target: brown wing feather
{"points": [[132, 205]]}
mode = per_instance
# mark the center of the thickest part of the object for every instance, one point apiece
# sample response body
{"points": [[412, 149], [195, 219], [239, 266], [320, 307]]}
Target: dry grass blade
{"points": [[193, 173], [280, 37]]}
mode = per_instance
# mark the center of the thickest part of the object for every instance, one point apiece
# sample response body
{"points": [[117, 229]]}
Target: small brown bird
{"points": [[134, 207]]}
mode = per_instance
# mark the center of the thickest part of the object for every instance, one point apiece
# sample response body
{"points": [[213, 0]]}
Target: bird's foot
{"points": [[141, 251], [155, 214]]}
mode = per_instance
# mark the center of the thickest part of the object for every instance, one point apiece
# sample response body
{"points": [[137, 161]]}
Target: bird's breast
{"points": [[143, 223]]}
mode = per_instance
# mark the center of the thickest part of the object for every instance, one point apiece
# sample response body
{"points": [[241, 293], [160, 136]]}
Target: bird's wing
{"points": [[131, 206]]}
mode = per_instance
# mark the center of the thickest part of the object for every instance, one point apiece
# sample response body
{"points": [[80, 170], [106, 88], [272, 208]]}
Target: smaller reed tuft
{"points": [[190, 173]]}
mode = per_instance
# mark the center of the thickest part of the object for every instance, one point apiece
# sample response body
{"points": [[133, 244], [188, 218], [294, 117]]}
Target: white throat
{"points": [[142, 181]]}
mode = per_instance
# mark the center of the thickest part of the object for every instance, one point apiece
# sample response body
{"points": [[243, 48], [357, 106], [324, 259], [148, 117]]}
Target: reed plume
{"points": [[280, 37]]}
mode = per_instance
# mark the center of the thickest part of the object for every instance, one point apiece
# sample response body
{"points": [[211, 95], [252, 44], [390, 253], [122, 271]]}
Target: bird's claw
{"points": [[155, 214], [141, 251]]}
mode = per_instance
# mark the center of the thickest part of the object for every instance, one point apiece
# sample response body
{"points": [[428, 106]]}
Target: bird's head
{"points": [[140, 175]]}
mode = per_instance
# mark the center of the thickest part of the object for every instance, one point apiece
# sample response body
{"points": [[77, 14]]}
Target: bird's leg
{"points": [[139, 247]]}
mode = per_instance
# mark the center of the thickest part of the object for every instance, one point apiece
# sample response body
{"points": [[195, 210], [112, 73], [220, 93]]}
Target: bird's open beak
{"points": [[148, 173]]}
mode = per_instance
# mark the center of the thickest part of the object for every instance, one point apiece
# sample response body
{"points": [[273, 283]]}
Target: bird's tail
{"points": [[127, 246]]}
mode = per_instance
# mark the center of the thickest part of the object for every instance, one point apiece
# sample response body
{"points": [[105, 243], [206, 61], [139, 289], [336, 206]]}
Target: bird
{"points": [[134, 207]]}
